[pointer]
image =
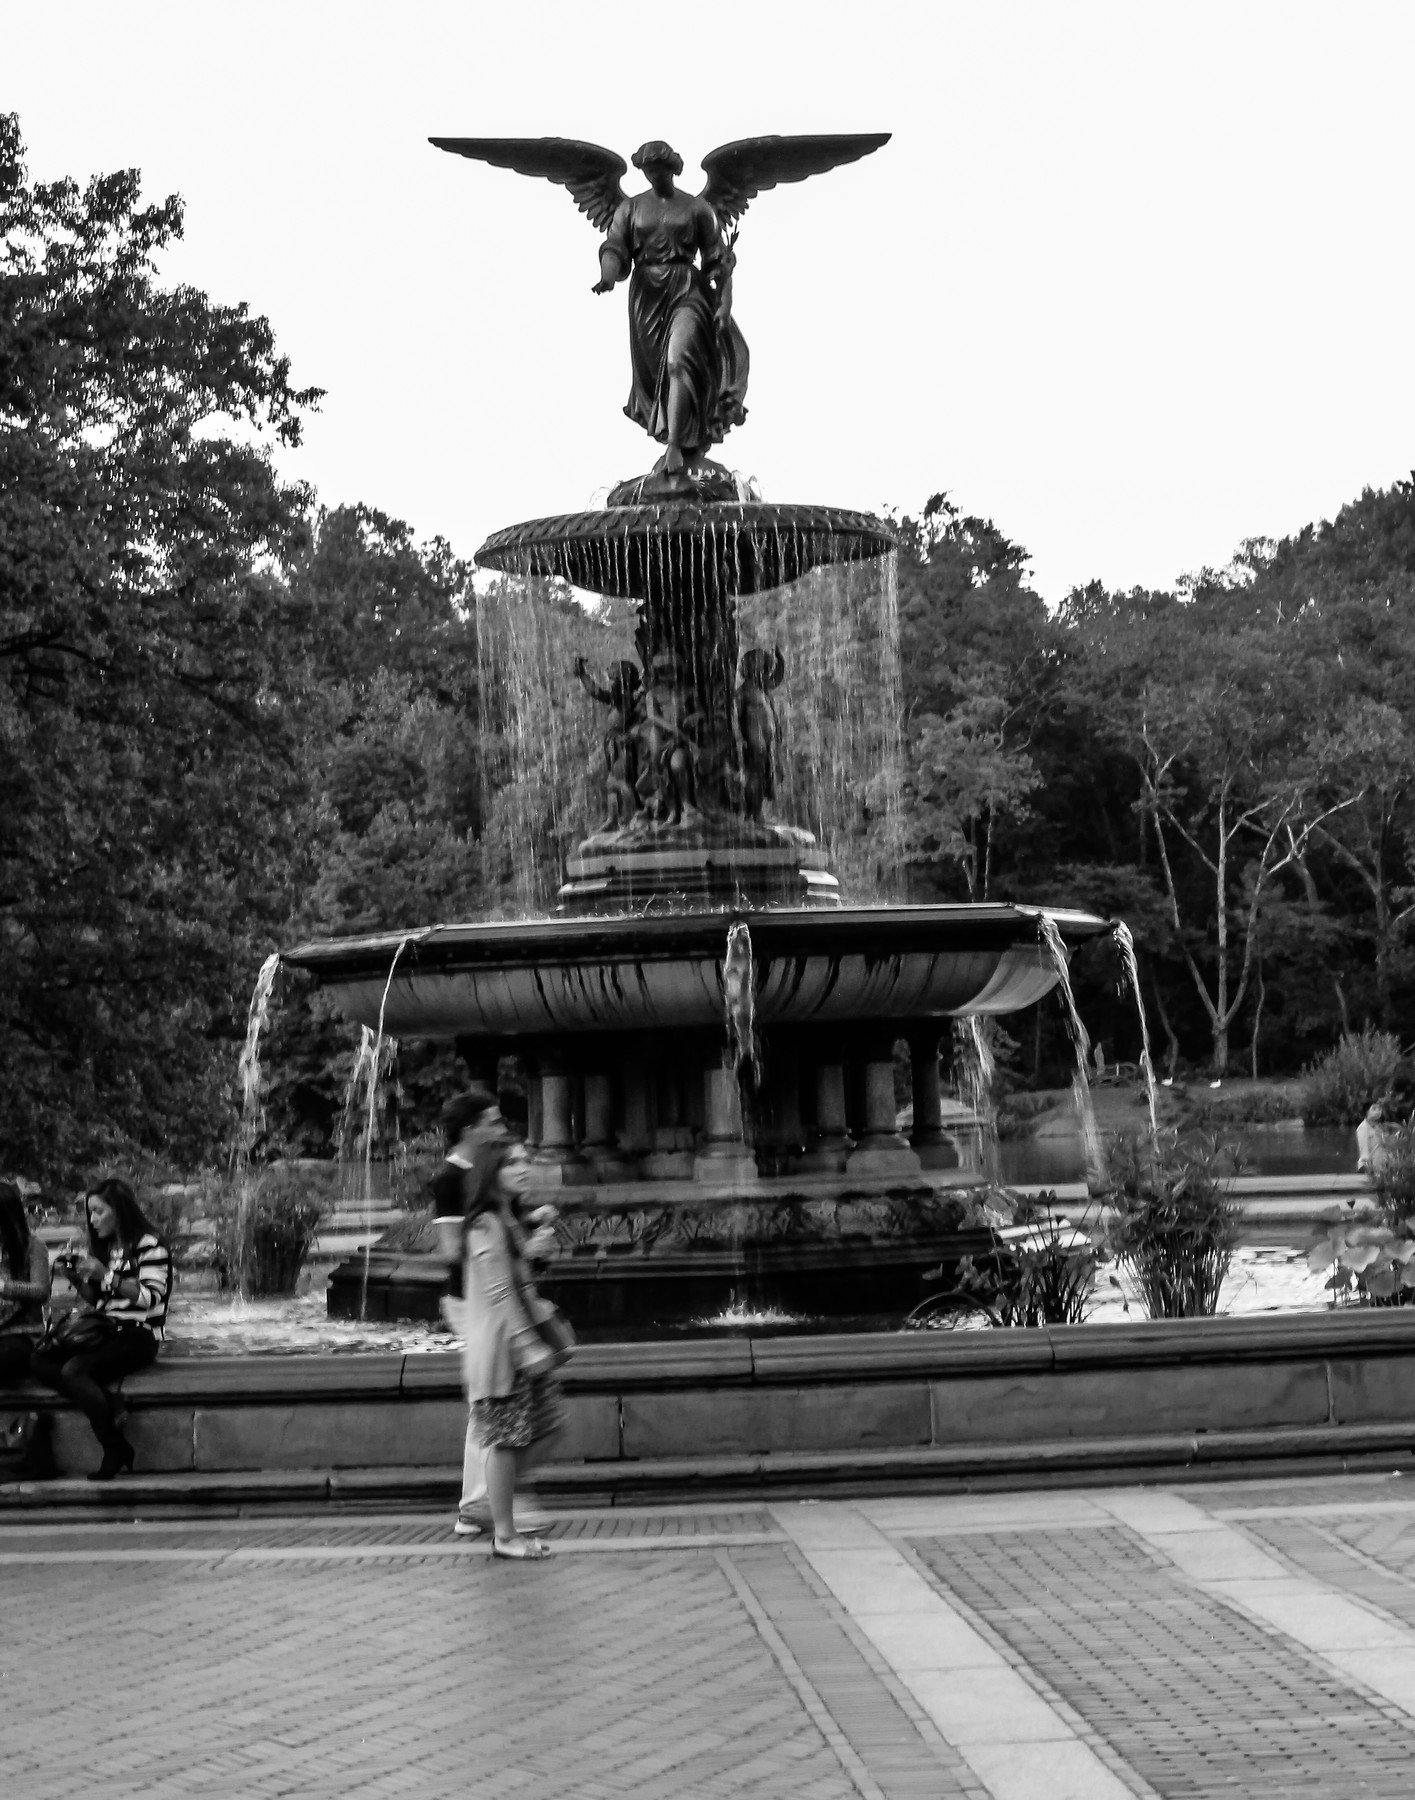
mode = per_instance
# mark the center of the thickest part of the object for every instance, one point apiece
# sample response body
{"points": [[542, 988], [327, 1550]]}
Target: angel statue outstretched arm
{"points": [[689, 359]]}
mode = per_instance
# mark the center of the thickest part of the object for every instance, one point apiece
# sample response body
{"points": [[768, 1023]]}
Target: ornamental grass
{"points": [[1173, 1221]]}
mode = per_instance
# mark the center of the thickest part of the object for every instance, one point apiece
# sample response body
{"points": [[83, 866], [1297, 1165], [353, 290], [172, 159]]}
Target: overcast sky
{"points": [[1133, 280]]}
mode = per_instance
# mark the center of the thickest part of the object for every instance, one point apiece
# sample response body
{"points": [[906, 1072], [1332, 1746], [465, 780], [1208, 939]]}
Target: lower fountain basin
{"points": [[854, 965]]}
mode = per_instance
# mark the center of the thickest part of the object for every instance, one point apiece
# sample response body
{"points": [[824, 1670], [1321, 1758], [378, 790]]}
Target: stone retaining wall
{"points": [[757, 1409]]}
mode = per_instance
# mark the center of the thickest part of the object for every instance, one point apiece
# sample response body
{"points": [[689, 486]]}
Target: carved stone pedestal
{"points": [[883, 1148], [556, 1160], [598, 1146], [724, 1155], [931, 1143], [831, 1144]]}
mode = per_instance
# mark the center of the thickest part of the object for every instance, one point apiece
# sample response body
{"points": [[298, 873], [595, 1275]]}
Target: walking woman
{"points": [[124, 1281], [24, 1285], [509, 1362]]}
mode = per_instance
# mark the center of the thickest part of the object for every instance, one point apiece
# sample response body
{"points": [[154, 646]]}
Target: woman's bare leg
{"points": [[501, 1492]]}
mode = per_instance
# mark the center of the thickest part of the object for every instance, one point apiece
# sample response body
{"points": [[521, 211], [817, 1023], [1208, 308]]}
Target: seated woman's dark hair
{"points": [[130, 1221], [464, 1110], [14, 1231]]}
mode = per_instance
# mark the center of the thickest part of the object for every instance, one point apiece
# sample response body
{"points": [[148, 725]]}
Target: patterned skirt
{"points": [[531, 1412]]}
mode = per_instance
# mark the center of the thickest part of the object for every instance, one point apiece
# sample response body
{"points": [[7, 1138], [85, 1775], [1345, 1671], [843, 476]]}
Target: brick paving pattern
{"points": [[629, 1675], [720, 1651], [1372, 1558], [901, 1755], [1196, 1698], [1345, 1491]]}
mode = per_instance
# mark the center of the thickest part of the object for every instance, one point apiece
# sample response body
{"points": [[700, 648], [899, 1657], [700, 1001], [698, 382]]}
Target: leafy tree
{"points": [[1352, 581], [977, 654], [962, 779], [148, 698], [1214, 709], [964, 601]]}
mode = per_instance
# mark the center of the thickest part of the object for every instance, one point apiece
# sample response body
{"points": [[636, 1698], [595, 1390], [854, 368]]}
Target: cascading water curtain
{"points": [[839, 710], [540, 734]]}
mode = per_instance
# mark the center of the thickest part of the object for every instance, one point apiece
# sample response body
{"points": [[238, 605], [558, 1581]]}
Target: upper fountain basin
{"points": [[638, 552], [542, 976]]}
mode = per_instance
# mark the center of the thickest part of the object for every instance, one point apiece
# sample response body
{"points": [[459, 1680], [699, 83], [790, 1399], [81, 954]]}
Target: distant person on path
{"points": [[124, 1281], [477, 1200], [1373, 1140], [24, 1285]]}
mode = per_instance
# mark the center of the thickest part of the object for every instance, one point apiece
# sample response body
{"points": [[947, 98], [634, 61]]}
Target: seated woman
{"points": [[24, 1285], [125, 1281]]}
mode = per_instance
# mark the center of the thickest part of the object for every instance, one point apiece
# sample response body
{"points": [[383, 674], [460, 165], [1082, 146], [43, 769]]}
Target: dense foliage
{"points": [[229, 719], [1361, 1066], [148, 650]]}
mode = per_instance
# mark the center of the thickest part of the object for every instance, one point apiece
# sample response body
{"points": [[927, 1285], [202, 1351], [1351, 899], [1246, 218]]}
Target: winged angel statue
{"points": [[689, 358]]}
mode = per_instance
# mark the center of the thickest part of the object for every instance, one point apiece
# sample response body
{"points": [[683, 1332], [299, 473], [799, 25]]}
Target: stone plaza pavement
{"points": [[1251, 1639]]}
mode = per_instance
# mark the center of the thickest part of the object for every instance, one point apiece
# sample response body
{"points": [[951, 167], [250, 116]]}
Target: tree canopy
{"points": [[147, 689]]}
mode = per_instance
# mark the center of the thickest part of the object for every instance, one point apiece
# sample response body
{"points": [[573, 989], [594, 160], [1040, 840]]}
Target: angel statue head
{"points": [[655, 154], [688, 358]]}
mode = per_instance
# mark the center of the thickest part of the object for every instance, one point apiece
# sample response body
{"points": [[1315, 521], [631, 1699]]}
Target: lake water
{"points": [[1263, 1150]]}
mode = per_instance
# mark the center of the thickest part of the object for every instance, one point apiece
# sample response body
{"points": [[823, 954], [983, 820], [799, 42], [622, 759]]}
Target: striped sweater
{"points": [[151, 1262]]}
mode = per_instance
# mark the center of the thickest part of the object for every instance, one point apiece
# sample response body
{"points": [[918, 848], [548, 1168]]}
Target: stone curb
{"points": [[1128, 1461]]}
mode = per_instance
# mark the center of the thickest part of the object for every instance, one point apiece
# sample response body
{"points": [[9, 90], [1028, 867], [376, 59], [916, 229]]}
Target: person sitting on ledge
{"points": [[124, 1282], [24, 1285]]}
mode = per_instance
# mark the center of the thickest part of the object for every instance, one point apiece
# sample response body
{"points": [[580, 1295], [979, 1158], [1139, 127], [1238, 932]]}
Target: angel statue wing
{"points": [[589, 171], [738, 172]]}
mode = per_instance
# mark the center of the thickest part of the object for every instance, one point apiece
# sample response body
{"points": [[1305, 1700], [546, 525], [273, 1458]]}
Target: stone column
{"points": [[724, 1155], [831, 1143], [598, 1146], [671, 1158], [931, 1142], [781, 1136], [882, 1149], [556, 1150], [533, 1103], [636, 1138]]}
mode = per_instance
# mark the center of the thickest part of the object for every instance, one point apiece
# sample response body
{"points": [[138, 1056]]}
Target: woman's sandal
{"points": [[532, 1549]]}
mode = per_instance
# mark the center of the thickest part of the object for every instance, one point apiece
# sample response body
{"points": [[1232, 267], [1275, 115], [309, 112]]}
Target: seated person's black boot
{"points": [[117, 1454]]}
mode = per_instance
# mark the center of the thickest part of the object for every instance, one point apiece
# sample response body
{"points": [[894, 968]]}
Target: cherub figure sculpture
{"points": [[665, 733], [689, 359], [762, 671], [621, 696]]}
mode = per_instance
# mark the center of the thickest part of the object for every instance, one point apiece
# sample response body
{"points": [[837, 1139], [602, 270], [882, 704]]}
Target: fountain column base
{"points": [[598, 1148], [724, 1156], [555, 1161], [832, 1144], [928, 1139], [883, 1149]]}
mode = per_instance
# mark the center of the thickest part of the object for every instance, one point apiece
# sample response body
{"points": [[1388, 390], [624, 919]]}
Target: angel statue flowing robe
{"points": [[660, 238]]}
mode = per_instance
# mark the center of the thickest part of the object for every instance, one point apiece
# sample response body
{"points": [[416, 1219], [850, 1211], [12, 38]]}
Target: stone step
{"points": [[1283, 1452]]}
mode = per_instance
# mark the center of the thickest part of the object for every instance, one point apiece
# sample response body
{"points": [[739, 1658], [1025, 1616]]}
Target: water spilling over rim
{"points": [[631, 552]]}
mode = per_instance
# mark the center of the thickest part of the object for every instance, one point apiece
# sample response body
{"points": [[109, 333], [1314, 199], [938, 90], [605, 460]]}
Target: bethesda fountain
{"points": [[703, 1019]]}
